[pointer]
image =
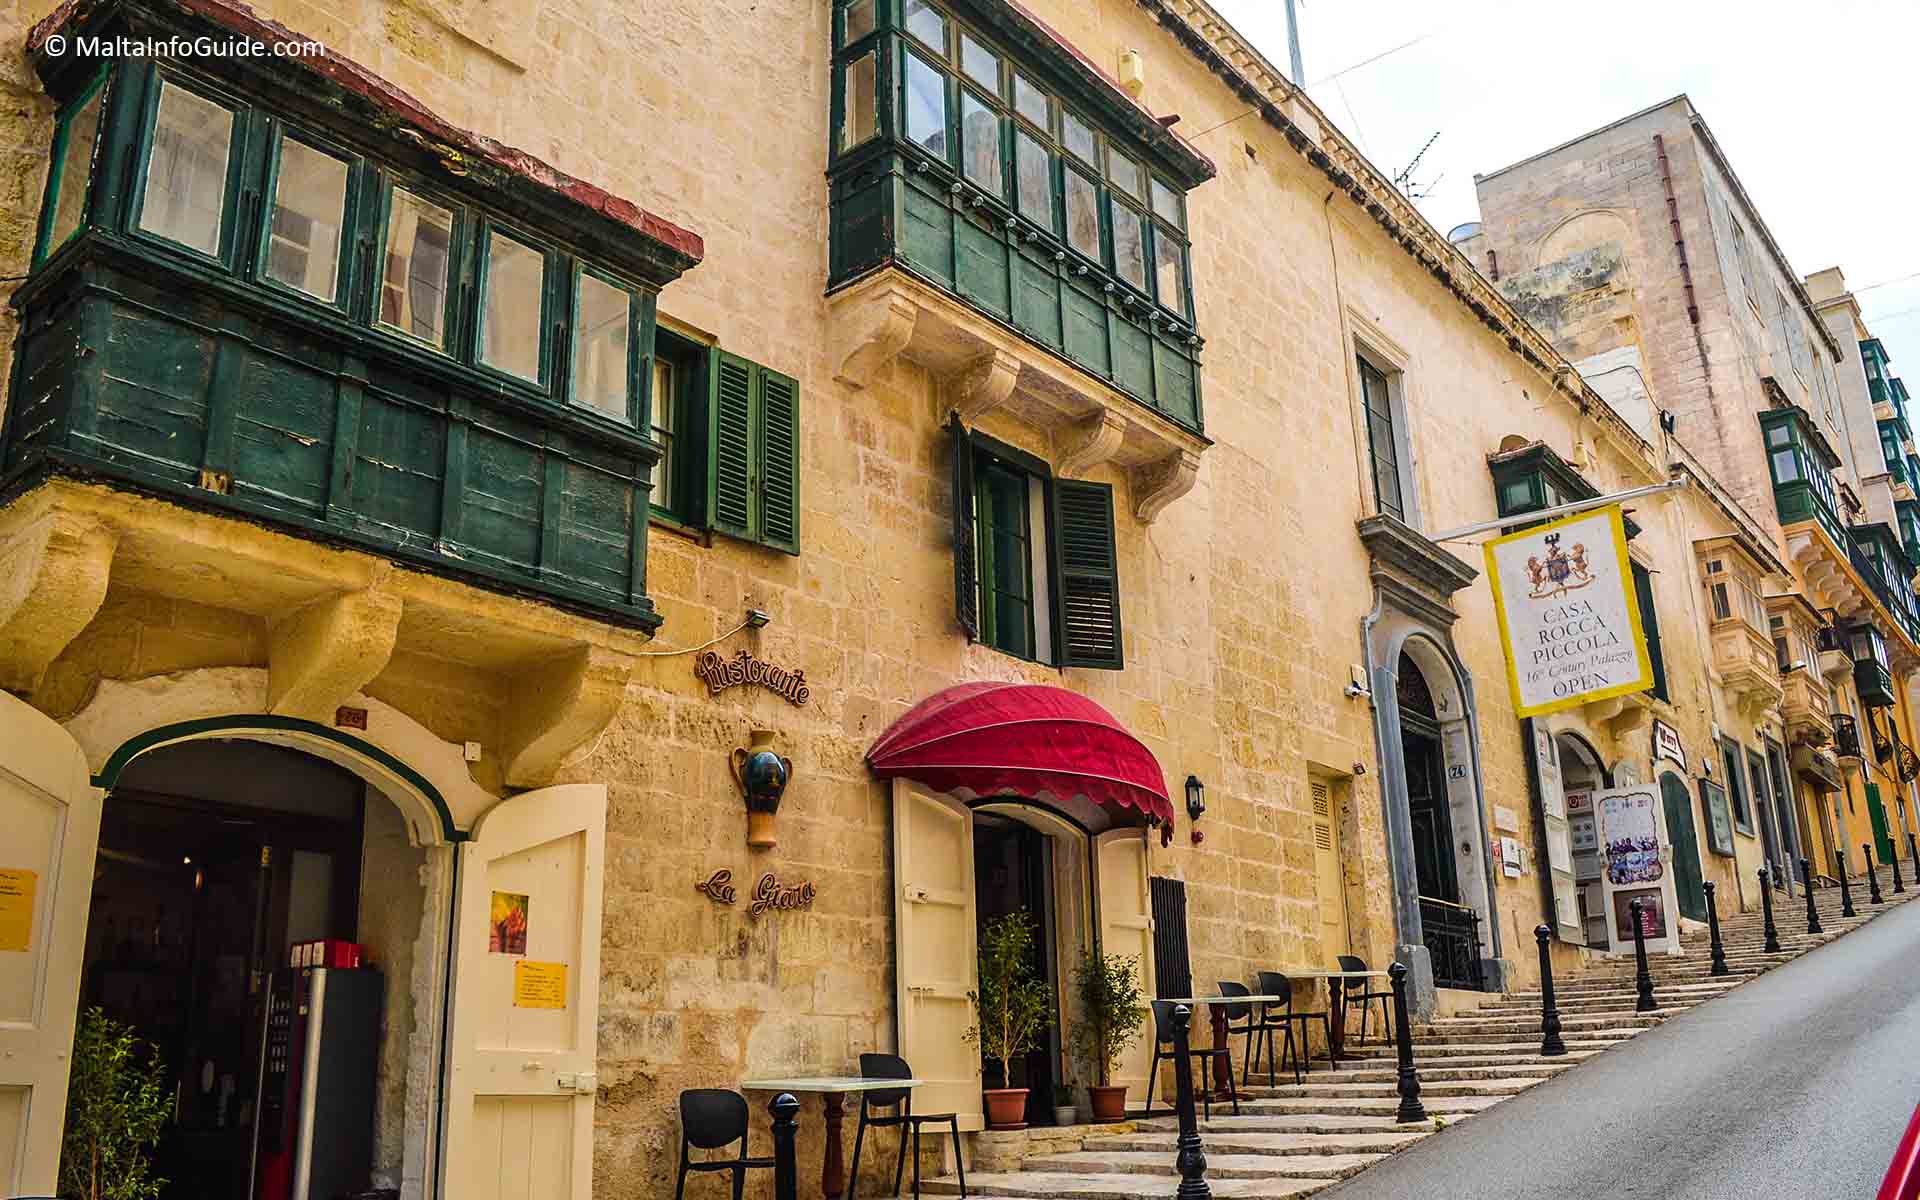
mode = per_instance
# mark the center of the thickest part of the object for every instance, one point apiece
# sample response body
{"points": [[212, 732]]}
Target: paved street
{"points": [[1797, 1084]]}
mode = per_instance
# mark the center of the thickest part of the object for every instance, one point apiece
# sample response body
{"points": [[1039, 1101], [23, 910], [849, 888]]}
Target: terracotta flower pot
{"points": [[1109, 1103], [1006, 1108]]}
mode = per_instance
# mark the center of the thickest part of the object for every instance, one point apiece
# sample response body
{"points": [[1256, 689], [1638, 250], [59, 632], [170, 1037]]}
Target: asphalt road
{"points": [[1797, 1084]]}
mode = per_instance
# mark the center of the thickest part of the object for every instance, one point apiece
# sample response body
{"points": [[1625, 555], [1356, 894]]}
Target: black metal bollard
{"points": [[786, 1178], [1767, 926], [1893, 860], [1642, 979], [1813, 914], [1846, 893], [1713, 932], [1410, 1107], [1913, 848], [1873, 880], [1550, 1043], [1191, 1160]]}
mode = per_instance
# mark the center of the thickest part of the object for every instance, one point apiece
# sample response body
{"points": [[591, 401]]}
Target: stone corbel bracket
{"points": [[873, 335], [53, 579], [981, 386], [324, 652], [558, 706], [1091, 442], [1158, 484]]}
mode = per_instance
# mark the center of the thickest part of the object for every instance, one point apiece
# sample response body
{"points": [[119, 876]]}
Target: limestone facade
{"points": [[1246, 587]]}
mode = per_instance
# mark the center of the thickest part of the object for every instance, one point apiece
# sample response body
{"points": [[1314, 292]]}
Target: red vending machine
{"points": [[313, 1137]]}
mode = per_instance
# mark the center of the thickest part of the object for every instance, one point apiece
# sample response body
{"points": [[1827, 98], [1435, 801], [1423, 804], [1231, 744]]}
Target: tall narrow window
{"points": [[1033, 166], [1169, 271], [1006, 557], [510, 312], [1381, 447], [600, 336], [926, 106], [1083, 214], [980, 143], [667, 380], [68, 194], [859, 83], [1129, 245], [413, 285], [309, 206], [186, 185]]}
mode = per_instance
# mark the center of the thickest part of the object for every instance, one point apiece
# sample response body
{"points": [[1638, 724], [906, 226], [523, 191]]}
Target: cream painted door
{"points": [[1330, 884], [520, 1088], [51, 816], [936, 942], [1126, 928]]}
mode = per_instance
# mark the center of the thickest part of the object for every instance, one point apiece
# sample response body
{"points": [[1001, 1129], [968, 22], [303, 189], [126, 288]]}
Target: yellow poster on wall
{"points": [[1569, 612], [539, 984], [16, 908]]}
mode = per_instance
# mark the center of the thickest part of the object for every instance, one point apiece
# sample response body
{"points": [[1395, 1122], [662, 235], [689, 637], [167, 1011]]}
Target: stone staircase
{"points": [[1295, 1139]]}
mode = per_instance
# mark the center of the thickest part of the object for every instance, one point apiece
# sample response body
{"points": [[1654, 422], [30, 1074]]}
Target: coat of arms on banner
{"points": [[1561, 572]]}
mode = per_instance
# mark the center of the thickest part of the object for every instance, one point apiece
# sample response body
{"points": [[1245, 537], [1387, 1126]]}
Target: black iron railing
{"points": [[1846, 736], [1451, 933]]}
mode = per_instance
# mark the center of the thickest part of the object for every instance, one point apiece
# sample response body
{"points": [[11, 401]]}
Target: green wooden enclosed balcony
{"points": [[254, 294], [978, 154]]}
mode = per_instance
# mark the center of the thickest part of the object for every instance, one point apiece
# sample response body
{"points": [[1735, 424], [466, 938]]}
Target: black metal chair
{"points": [[891, 1066], [709, 1119], [1273, 983], [1163, 1048], [1241, 1022], [1360, 992]]}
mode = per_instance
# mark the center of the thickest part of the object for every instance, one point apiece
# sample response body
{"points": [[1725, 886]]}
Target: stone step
{"points": [[1048, 1185], [1246, 1135], [1468, 1043], [1438, 1072], [1383, 1106], [1344, 1085], [1468, 1066], [1425, 1049], [1219, 1166]]}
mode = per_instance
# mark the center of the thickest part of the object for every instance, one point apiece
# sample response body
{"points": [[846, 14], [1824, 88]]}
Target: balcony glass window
{"points": [[860, 81], [1033, 164], [1078, 138], [79, 129], [601, 335], [856, 21], [1170, 274], [926, 106], [186, 183], [1125, 174], [510, 310], [979, 63], [1130, 246], [927, 23], [413, 286], [1083, 214], [309, 210], [980, 143], [1032, 103]]}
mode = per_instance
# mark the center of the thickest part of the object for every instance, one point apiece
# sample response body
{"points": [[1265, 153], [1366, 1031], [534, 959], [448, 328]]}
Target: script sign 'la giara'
{"points": [[1569, 619]]}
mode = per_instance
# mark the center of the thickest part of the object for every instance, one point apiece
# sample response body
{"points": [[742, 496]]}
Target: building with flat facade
{"points": [[620, 541]]}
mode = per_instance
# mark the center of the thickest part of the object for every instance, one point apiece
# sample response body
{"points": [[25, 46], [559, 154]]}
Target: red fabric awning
{"points": [[1022, 739]]}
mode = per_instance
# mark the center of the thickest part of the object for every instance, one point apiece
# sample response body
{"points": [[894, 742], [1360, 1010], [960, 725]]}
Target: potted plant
{"points": [[1064, 1112], [1010, 1011], [1110, 1018], [118, 1099]]}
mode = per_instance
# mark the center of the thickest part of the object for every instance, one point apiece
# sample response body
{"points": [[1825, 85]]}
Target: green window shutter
{"points": [[1650, 625], [1086, 575], [779, 461], [966, 586], [731, 400]]}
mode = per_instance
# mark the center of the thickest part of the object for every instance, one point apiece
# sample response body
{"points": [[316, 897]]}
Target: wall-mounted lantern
{"points": [[1196, 798], [762, 776]]}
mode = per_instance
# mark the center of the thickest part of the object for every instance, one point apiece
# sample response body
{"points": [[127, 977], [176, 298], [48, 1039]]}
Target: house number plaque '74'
{"points": [[768, 894]]}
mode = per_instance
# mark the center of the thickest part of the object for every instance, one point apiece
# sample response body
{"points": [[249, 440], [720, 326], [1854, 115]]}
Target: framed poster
{"points": [[1713, 798], [1632, 835], [1653, 915]]}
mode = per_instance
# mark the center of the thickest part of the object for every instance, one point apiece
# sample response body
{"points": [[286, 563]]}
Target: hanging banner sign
{"points": [[1569, 617]]}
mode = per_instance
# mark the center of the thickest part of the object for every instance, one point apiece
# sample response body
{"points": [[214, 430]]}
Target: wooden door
{"points": [[1125, 902], [526, 999], [1882, 837], [936, 941], [1687, 877], [1329, 880], [50, 813]]}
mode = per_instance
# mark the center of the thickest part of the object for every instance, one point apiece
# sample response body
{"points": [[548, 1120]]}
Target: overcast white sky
{"points": [[1816, 104]]}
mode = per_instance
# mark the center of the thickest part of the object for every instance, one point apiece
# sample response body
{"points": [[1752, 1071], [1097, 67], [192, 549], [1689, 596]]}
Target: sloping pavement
{"points": [[1295, 1140]]}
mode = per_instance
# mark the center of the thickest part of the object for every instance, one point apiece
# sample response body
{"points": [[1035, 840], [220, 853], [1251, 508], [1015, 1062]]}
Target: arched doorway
{"points": [[1439, 782], [1582, 775]]}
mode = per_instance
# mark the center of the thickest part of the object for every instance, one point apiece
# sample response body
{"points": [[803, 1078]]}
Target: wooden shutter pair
{"points": [[753, 452], [1086, 571]]}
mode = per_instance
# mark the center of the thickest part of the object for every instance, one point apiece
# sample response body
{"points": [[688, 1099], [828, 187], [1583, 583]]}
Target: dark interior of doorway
{"points": [[1427, 805], [196, 897], [1013, 872]]}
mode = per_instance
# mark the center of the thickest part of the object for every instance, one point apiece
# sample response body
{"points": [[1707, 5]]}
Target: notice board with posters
{"points": [[1634, 864]]}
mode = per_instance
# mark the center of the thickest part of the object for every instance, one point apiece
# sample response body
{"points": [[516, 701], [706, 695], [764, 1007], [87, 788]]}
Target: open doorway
{"points": [[1013, 872], [1582, 776], [216, 859]]}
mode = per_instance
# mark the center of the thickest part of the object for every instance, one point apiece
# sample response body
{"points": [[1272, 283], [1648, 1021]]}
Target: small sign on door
{"points": [[539, 984], [17, 887]]}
